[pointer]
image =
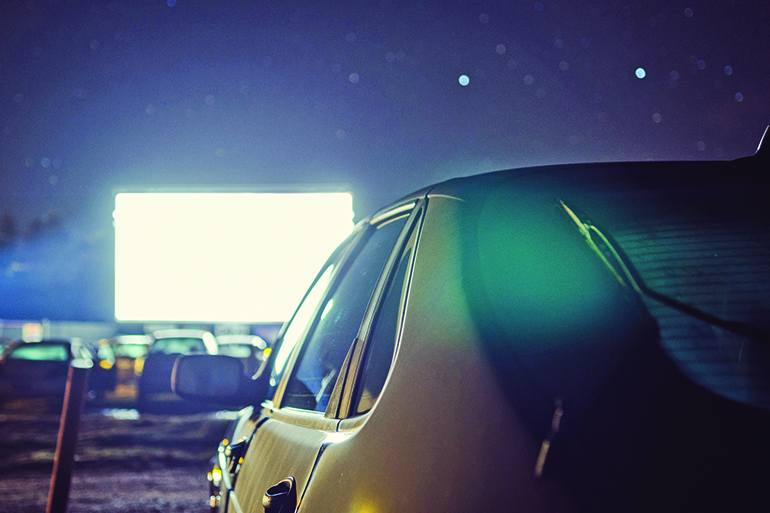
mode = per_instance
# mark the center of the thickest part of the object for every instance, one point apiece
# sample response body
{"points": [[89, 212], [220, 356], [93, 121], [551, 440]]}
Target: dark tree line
{"points": [[9, 230]]}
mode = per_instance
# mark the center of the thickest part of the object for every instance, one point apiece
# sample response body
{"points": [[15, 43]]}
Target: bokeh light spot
{"points": [[701, 64], [500, 49], [728, 70], [484, 18], [688, 12], [529, 79], [563, 65], [171, 3], [354, 78], [701, 146], [464, 80], [656, 118], [738, 97], [640, 73]]}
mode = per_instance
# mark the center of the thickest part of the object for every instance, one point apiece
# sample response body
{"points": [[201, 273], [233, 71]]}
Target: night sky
{"points": [[383, 96]]}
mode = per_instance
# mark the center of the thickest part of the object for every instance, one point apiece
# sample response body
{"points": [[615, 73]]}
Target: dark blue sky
{"points": [[98, 95]]}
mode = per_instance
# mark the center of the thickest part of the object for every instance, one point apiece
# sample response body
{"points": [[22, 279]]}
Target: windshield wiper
{"points": [[624, 270]]}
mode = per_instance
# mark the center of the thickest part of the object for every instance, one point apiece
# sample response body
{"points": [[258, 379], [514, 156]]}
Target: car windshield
{"points": [[178, 345], [46, 352]]}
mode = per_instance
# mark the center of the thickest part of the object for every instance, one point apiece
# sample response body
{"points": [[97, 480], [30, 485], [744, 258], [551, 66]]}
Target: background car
{"points": [[130, 352], [584, 337], [36, 372], [103, 376], [154, 393], [249, 349]]}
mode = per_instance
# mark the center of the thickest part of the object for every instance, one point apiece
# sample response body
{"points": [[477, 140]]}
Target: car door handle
{"points": [[281, 497]]}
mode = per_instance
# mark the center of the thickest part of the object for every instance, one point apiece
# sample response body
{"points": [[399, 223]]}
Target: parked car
{"points": [[154, 393], [588, 337], [103, 377], [39, 370], [130, 352], [250, 349]]}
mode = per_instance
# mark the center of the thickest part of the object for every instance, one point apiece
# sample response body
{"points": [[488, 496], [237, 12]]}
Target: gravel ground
{"points": [[167, 490], [124, 463]]}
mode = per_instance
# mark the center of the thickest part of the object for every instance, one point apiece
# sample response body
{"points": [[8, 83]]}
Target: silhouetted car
{"points": [[39, 370], [587, 337], [154, 393], [103, 377], [130, 352], [247, 348]]}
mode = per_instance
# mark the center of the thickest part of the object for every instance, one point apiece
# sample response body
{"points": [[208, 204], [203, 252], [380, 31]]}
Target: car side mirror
{"points": [[217, 379]]}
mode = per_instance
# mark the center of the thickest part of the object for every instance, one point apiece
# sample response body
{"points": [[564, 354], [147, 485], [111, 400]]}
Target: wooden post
{"points": [[75, 392]]}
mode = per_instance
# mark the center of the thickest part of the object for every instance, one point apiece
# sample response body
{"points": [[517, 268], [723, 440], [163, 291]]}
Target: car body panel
{"points": [[272, 440]]}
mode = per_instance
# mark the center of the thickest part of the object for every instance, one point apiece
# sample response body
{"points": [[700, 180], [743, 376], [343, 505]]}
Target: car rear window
{"points": [[697, 235], [131, 350], [47, 352], [178, 345], [236, 350]]}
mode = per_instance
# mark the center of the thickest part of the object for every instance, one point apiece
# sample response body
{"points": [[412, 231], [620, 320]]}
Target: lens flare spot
{"points": [[640, 73], [464, 80]]}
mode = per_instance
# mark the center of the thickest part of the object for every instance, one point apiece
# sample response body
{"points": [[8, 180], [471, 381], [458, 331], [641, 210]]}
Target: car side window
{"points": [[382, 339], [298, 324], [339, 320]]}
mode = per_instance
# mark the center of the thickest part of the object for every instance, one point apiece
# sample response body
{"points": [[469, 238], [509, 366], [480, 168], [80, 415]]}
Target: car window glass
{"points": [[339, 320], [131, 350], [178, 345], [297, 326], [236, 350], [382, 340], [40, 352]]}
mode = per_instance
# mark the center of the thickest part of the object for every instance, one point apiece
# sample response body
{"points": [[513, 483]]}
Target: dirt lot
{"points": [[124, 463]]}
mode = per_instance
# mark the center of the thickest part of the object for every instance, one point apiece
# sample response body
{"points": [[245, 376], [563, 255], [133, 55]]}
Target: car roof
{"points": [[581, 173]]}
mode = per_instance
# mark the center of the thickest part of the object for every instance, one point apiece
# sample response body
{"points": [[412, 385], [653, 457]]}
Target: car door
{"points": [[310, 370]]}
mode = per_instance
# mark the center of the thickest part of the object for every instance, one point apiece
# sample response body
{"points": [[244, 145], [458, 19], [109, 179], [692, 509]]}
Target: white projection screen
{"points": [[222, 257]]}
